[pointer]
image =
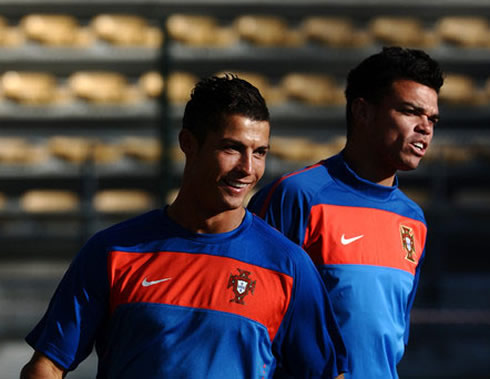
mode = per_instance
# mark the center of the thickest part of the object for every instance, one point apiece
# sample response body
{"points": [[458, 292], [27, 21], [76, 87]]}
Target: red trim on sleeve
{"points": [[265, 205]]}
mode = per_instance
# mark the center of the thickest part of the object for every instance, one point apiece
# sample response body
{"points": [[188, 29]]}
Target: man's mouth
{"points": [[235, 184], [420, 146]]}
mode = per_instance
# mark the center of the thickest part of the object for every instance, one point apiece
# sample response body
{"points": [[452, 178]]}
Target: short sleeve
{"points": [[67, 331]]}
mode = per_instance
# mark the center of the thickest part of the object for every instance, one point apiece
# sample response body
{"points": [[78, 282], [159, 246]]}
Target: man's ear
{"points": [[361, 110], [187, 141]]}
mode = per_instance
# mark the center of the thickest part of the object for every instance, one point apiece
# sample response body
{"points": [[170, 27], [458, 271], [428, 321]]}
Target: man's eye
{"points": [[230, 148], [261, 152], [434, 120]]}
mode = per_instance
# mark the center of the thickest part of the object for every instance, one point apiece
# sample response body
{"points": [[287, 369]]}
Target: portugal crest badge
{"points": [[241, 285], [408, 242]]}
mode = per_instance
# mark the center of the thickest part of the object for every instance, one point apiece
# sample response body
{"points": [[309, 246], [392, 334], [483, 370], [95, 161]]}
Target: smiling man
{"points": [[365, 236], [201, 288]]}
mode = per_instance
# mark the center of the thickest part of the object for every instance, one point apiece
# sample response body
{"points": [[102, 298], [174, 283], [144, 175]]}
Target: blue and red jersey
{"points": [[159, 301], [367, 242]]}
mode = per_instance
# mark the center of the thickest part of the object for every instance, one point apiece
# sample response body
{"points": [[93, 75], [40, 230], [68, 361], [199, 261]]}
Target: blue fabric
{"points": [[372, 303], [155, 340]]}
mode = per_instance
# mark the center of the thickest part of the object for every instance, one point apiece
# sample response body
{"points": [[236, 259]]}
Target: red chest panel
{"points": [[200, 281], [364, 236]]}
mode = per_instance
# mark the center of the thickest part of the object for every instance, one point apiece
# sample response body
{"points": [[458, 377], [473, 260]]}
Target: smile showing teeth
{"points": [[419, 145], [236, 184]]}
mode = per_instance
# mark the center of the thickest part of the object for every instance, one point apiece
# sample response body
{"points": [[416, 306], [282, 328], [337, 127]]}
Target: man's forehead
{"points": [[404, 88], [239, 126]]}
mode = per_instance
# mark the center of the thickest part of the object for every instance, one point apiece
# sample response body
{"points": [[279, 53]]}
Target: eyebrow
{"points": [[434, 118], [225, 141]]}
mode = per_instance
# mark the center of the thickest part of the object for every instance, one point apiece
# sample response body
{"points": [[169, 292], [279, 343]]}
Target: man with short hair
{"points": [[365, 236], [201, 288]]}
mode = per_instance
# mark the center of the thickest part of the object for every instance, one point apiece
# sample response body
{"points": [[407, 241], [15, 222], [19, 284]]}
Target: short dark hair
{"points": [[215, 98], [372, 78]]}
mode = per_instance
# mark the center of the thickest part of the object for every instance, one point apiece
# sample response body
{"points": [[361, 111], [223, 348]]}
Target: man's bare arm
{"points": [[41, 367]]}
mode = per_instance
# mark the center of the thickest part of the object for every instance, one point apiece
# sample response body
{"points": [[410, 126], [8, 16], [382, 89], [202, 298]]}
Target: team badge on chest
{"points": [[408, 242], [241, 285]]}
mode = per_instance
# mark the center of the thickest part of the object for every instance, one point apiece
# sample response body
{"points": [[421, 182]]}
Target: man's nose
{"points": [[425, 126], [245, 163]]}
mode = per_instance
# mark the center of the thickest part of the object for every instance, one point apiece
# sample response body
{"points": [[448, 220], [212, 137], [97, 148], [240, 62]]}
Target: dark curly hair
{"points": [[215, 98], [372, 78]]}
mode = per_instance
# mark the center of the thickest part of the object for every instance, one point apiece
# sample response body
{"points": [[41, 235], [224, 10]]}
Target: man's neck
{"points": [[200, 221], [367, 169]]}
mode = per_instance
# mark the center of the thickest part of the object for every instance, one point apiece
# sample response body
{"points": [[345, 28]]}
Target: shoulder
{"points": [[277, 246], [139, 228], [408, 207], [303, 183], [308, 178], [267, 233]]}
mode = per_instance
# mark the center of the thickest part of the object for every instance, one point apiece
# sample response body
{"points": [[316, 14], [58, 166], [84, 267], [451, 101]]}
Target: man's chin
{"points": [[410, 165], [230, 204], [407, 168]]}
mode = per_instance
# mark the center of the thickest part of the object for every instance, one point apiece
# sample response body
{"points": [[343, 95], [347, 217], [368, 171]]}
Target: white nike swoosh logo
{"points": [[346, 241], [146, 283]]}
